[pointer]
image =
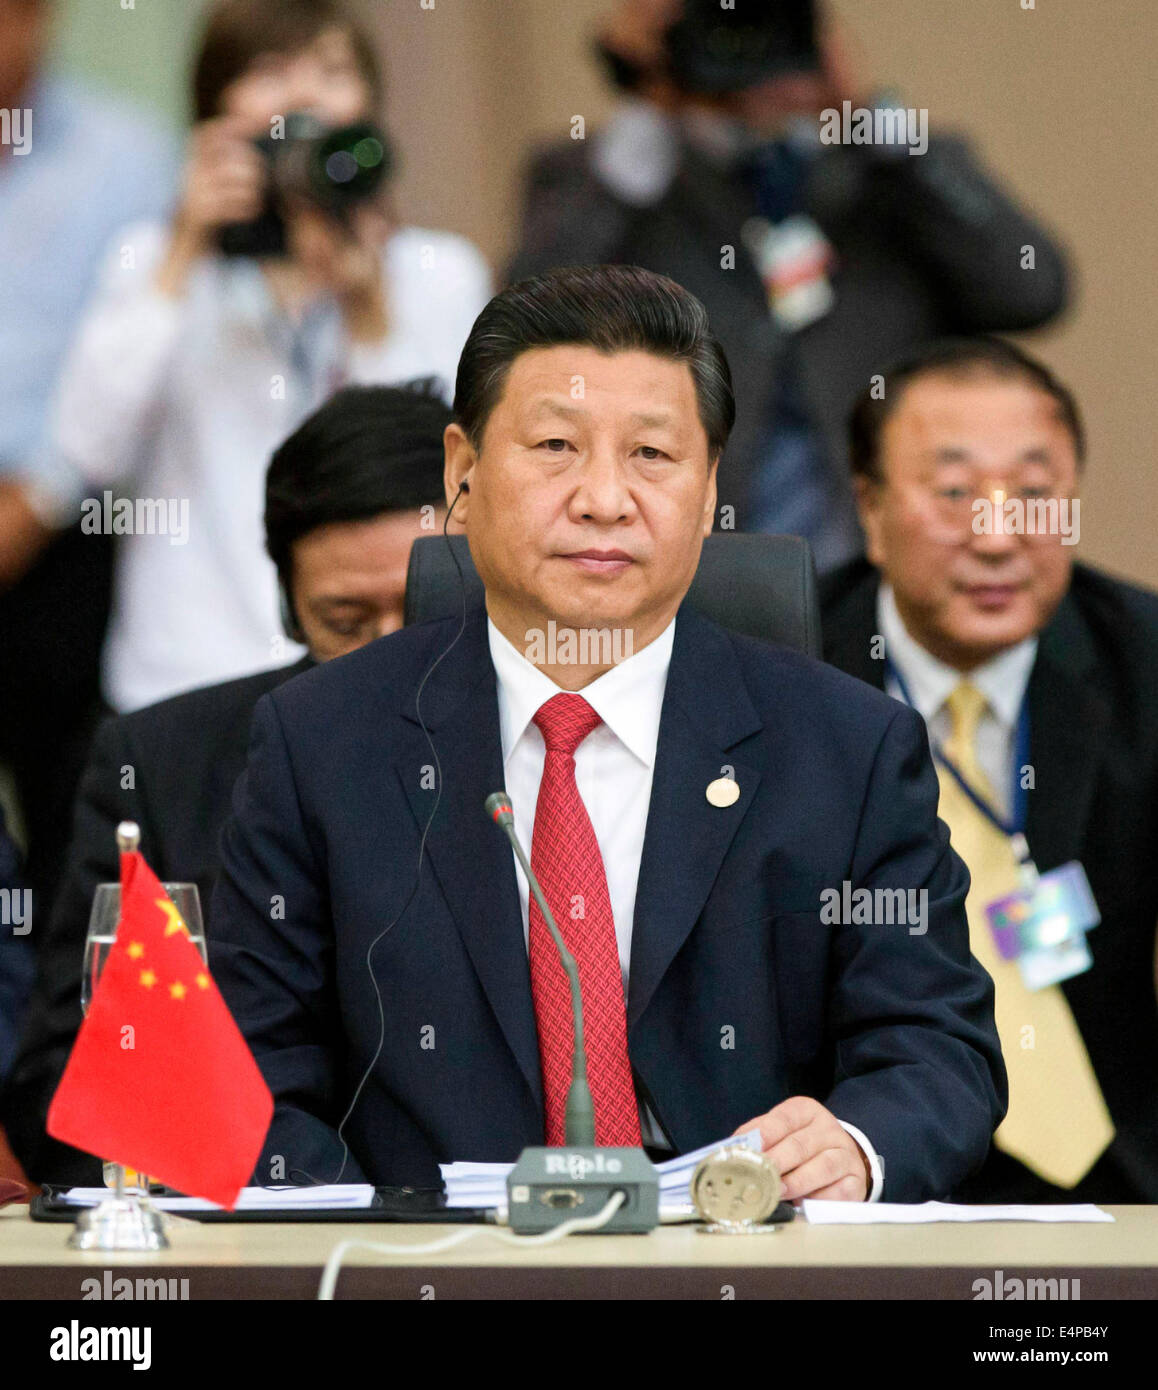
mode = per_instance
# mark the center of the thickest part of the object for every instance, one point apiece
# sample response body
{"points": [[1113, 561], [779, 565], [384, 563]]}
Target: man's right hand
{"points": [[635, 30], [22, 532]]}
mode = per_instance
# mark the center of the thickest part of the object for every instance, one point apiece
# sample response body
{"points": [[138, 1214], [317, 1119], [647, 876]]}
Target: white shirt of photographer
{"points": [[186, 399], [613, 772]]}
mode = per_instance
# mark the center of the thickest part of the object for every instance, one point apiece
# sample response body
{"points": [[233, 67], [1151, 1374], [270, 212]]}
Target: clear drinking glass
{"points": [[102, 932]]}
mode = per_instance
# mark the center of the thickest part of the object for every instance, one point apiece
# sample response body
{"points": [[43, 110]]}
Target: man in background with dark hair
{"points": [[815, 260], [346, 495], [1036, 677], [690, 797]]}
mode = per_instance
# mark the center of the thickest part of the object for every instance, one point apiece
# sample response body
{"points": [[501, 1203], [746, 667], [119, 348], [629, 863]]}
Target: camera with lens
{"points": [[714, 50], [335, 168], [711, 50]]}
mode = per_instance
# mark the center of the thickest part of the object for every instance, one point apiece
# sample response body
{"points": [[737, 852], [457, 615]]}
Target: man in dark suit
{"points": [[693, 801], [16, 962], [346, 494], [17, 969], [1064, 659], [816, 261]]}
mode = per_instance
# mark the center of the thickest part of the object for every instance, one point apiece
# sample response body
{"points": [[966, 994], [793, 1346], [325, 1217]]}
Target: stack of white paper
{"points": [[485, 1184], [475, 1184]]}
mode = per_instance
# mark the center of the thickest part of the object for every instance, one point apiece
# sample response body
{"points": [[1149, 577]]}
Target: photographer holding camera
{"points": [[816, 260], [282, 275]]}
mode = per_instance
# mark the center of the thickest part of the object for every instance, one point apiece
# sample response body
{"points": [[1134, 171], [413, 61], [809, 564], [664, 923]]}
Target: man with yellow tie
{"points": [[1032, 674]]}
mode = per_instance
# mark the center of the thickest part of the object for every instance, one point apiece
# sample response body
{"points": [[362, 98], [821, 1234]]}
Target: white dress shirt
{"points": [[1002, 680], [186, 398], [614, 766]]}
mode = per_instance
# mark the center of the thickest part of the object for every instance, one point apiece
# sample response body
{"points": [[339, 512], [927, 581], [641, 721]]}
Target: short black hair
{"points": [[956, 357], [368, 450], [612, 308]]}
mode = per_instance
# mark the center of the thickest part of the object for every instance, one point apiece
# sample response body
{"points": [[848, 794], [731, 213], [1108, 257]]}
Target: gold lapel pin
{"points": [[724, 791]]}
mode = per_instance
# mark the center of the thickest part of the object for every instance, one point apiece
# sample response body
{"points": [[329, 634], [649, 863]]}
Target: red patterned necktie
{"points": [[566, 860]]}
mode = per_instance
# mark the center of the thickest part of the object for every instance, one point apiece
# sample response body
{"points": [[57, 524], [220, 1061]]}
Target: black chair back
{"points": [[761, 586]]}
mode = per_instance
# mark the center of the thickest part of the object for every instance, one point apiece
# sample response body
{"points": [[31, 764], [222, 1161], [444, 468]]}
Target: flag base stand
{"points": [[120, 1223]]}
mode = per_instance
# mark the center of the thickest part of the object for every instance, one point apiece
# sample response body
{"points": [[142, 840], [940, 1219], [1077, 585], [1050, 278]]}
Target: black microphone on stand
{"points": [[579, 1116], [551, 1185]]}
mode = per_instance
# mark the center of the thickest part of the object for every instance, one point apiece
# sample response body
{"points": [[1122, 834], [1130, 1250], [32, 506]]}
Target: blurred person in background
{"points": [[346, 496], [16, 960], [816, 261], [283, 274], [74, 164], [17, 966], [1036, 677]]}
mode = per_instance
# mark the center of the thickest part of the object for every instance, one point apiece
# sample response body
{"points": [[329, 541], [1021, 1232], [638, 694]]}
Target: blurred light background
{"points": [[1058, 99]]}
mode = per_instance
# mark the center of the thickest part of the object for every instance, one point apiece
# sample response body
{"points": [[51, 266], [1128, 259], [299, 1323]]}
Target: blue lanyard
{"points": [[1018, 800]]}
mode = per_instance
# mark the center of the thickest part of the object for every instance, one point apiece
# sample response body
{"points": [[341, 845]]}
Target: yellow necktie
{"points": [[1057, 1123]]}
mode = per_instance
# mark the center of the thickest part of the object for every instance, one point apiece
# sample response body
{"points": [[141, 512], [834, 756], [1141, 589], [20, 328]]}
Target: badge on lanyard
{"points": [[793, 258], [1043, 924]]}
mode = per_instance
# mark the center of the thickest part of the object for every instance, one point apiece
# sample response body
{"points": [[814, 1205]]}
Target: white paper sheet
{"points": [[251, 1198], [899, 1213]]}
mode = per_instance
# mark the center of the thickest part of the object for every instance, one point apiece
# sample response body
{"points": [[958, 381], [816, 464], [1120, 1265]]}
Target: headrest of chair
{"points": [[761, 586]]}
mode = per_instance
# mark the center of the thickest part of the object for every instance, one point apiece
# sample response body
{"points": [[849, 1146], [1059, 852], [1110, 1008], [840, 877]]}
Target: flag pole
{"points": [[123, 1220]]}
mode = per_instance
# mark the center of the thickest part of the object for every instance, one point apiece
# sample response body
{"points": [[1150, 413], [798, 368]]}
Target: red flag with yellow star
{"points": [[160, 1078]]}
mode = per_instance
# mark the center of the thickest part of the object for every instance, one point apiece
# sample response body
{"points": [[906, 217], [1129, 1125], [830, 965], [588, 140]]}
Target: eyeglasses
{"points": [[954, 514]]}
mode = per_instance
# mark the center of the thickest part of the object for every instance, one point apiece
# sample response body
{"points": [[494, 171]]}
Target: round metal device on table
{"points": [[735, 1189]]}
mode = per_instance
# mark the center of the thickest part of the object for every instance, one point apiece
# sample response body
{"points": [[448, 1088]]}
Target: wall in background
{"points": [[142, 50]]}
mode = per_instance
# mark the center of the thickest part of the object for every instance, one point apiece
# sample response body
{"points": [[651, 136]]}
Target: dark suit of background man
{"points": [[17, 966], [720, 135], [686, 811], [1009, 614], [16, 961], [345, 495]]}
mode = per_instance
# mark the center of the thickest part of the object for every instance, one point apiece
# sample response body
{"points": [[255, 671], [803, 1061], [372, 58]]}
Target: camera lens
{"points": [[349, 165]]}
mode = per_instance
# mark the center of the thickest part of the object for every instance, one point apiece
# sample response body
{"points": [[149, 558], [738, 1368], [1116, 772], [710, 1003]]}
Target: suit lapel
{"points": [[1068, 723], [848, 603], [472, 859], [706, 712], [1068, 718]]}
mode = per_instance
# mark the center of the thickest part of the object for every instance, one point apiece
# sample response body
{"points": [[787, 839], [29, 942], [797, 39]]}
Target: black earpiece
{"points": [[289, 620]]}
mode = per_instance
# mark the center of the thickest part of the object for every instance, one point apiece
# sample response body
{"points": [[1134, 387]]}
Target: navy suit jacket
{"points": [[740, 995]]}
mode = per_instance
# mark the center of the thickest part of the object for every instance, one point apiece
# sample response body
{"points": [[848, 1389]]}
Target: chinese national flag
{"points": [[160, 1077]]}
